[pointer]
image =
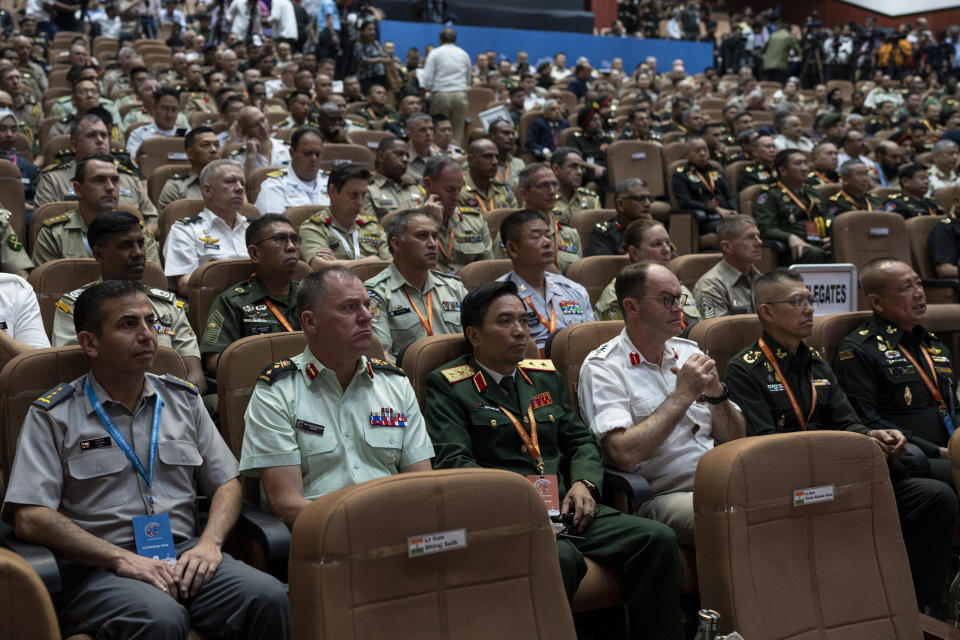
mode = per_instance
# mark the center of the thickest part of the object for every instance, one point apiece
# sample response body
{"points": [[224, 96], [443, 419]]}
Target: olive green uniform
{"points": [[754, 173], [185, 184], [28, 111], [64, 108], [912, 206], [583, 199], [65, 236], [240, 311], [374, 118], [13, 255], [497, 196], [469, 429], [322, 231], [567, 243], [841, 202], [465, 238], [817, 177], [779, 217], [385, 194], [55, 184]]}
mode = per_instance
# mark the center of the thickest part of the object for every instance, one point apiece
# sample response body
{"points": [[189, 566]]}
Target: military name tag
{"points": [[96, 443], [532, 319], [399, 311], [309, 427]]}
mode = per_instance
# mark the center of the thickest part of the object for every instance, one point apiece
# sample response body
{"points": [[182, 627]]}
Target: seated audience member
{"points": [[411, 299], [890, 157], [852, 148], [943, 245], [727, 288], [943, 173], [792, 212], [802, 393], [118, 245], [855, 195], [543, 134], [298, 405], [419, 131], [912, 199], [9, 127], [494, 385], [202, 148], [303, 182], [632, 200], [340, 232], [110, 587], [568, 165], [13, 255], [639, 126], [504, 135], [761, 170], [443, 138], [591, 143], [897, 374], [824, 170], [216, 233], [552, 301], [464, 235], [701, 188], [481, 190], [262, 149], [791, 134], [21, 327], [266, 302], [716, 135], [166, 108], [97, 185], [655, 402], [388, 190]]}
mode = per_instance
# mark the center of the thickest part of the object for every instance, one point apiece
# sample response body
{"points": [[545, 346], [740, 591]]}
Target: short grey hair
{"points": [[847, 167], [213, 169], [943, 145], [397, 224], [625, 185], [417, 117], [731, 226]]}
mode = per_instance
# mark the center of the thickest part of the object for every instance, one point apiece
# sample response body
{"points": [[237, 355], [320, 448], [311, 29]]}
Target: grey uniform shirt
{"points": [[567, 303], [67, 461], [725, 291]]}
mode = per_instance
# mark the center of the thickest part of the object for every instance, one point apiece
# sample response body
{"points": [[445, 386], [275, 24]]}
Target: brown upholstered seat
{"points": [[861, 236], [584, 221], [571, 345], [157, 178], [256, 179], [369, 139], [334, 154], [596, 272], [494, 219], [635, 159], [299, 214], [689, 268], [476, 273], [721, 338], [28, 609], [156, 152], [830, 330]]}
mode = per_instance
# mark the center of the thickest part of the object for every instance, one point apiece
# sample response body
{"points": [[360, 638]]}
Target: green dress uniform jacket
{"points": [[841, 202], [779, 217], [583, 199], [240, 311], [912, 206], [692, 190], [754, 173]]}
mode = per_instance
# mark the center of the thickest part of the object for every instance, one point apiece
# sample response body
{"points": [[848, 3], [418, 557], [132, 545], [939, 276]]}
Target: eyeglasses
{"points": [[547, 186], [798, 302], [668, 300], [640, 199], [281, 239]]}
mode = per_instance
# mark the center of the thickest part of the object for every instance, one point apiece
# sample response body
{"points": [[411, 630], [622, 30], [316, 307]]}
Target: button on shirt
{"points": [[20, 312], [197, 240], [279, 193], [567, 301], [447, 68], [330, 432], [616, 394]]}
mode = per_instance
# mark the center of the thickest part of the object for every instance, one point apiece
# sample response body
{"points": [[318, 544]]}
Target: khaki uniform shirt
{"points": [[55, 184], [364, 238], [240, 312], [300, 415], [199, 102], [394, 303], [725, 291], [13, 256], [497, 196], [65, 236], [509, 171], [173, 328], [179, 186], [464, 239], [385, 195], [582, 200], [28, 111]]}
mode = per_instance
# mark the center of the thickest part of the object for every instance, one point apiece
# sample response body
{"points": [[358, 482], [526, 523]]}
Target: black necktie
{"points": [[509, 386]]}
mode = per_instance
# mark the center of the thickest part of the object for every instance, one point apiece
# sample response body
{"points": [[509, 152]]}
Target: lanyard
{"points": [[529, 441], [928, 383], [448, 251], [122, 442], [506, 174], [806, 209], [86, 243], [428, 321], [279, 316], [711, 187], [823, 177], [854, 202], [486, 208], [346, 246], [551, 324], [786, 387], [556, 244]]}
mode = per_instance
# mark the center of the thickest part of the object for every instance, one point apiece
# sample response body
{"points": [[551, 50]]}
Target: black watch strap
{"points": [[723, 397]]}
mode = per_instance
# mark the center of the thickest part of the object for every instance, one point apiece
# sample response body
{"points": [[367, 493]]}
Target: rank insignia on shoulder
{"points": [[751, 357], [172, 379], [845, 354], [456, 374], [62, 306], [383, 365], [54, 396], [276, 371], [279, 173], [537, 364]]}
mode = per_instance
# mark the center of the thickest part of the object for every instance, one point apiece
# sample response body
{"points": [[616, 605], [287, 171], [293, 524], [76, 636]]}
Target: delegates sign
{"points": [[833, 286]]}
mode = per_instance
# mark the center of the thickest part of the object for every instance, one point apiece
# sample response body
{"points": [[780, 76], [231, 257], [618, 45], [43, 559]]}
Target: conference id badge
{"points": [[154, 538], [549, 490], [813, 233]]}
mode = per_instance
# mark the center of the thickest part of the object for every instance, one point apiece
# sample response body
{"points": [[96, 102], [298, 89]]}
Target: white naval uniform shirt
{"points": [[191, 244], [567, 301], [617, 392], [279, 156], [278, 194], [20, 312], [138, 135]]}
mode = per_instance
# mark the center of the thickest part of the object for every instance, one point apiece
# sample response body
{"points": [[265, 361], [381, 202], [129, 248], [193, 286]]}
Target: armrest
{"points": [[934, 629], [952, 283], [268, 532], [625, 490], [41, 559]]}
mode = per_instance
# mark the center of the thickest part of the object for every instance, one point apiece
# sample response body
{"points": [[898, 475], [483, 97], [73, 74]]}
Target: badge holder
{"points": [[154, 537]]}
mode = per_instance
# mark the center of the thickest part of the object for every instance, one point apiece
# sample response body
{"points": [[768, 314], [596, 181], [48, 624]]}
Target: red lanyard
{"points": [[551, 324], [449, 250], [279, 316], [786, 387], [711, 187]]}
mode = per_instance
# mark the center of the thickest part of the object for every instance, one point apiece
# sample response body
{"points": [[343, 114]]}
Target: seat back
{"points": [[476, 273], [191, 207], [298, 215], [946, 197], [636, 159], [748, 199], [673, 152], [256, 179], [29, 375], [596, 272], [918, 230], [211, 279], [334, 154], [494, 219], [53, 279], [11, 195], [158, 178], [828, 190], [156, 152], [365, 268], [369, 139], [840, 564], [30, 612], [861, 236], [688, 269], [569, 347], [721, 338], [829, 331], [503, 582], [584, 221], [732, 173]]}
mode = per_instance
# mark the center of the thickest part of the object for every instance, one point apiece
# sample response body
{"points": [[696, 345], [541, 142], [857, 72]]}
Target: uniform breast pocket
{"points": [[317, 442], [98, 480], [470, 245], [404, 323], [181, 459], [903, 383], [386, 443]]}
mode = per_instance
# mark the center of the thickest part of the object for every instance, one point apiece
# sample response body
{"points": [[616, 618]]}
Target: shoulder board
{"points": [[749, 168], [65, 119], [366, 219], [835, 197], [383, 365], [62, 162], [279, 173], [63, 217], [577, 134], [946, 221], [537, 365], [422, 190], [752, 356], [456, 374], [815, 354], [190, 220], [681, 168], [180, 176], [56, 395], [470, 210], [277, 370], [180, 382], [162, 295], [586, 191], [318, 218]]}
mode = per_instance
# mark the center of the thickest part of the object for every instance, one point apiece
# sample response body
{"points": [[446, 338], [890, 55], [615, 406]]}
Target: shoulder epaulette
{"points": [[318, 218], [383, 365], [180, 176], [279, 173], [752, 356], [422, 190], [537, 364], [62, 162], [586, 191], [276, 371], [60, 219], [190, 220], [55, 396], [162, 295], [180, 382], [237, 151], [681, 168], [835, 197], [470, 210], [362, 220], [456, 374]]}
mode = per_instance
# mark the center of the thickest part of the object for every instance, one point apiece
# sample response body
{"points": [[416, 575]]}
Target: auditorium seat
{"points": [[732, 173], [635, 159], [28, 609], [299, 214], [721, 338], [827, 190], [369, 139], [477, 273], [689, 269], [156, 152], [584, 221], [256, 179], [334, 154], [939, 290], [494, 219], [862, 236], [596, 272], [568, 348], [159, 177], [365, 268], [830, 329]]}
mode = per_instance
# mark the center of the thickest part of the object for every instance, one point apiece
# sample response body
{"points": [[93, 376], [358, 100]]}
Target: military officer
{"points": [[464, 233], [410, 299], [266, 302], [632, 202], [303, 182], [164, 117], [504, 135], [202, 147], [330, 417], [377, 111], [25, 105], [897, 374], [591, 143], [13, 256], [912, 199], [855, 195], [96, 183], [85, 95], [761, 170], [943, 244], [639, 127], [701, 188], [568, 166], [495, 386], [388, 190], [340, 232], [481, 190], [793, 212]]}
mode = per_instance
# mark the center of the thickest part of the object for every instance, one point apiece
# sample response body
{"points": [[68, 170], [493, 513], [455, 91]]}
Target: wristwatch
{"points": [[592, 488], [716, 399]]}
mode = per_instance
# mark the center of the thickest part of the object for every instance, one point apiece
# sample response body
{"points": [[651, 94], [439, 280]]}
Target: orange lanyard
{"points": [[484, 205], [279, 316], [529, 441], [806, 209], [854, 202], [551, 325], [786, 387], [823, 177], [428, 321], [711, 187], [506, 174], [556, 244], [449, 250], [932, 388]]}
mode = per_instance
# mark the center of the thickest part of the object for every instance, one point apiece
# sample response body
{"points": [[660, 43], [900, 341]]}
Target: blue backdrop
{"points": [[696, 56]]}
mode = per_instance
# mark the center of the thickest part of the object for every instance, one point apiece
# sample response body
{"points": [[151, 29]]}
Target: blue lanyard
{"points": [[132, 456]]}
